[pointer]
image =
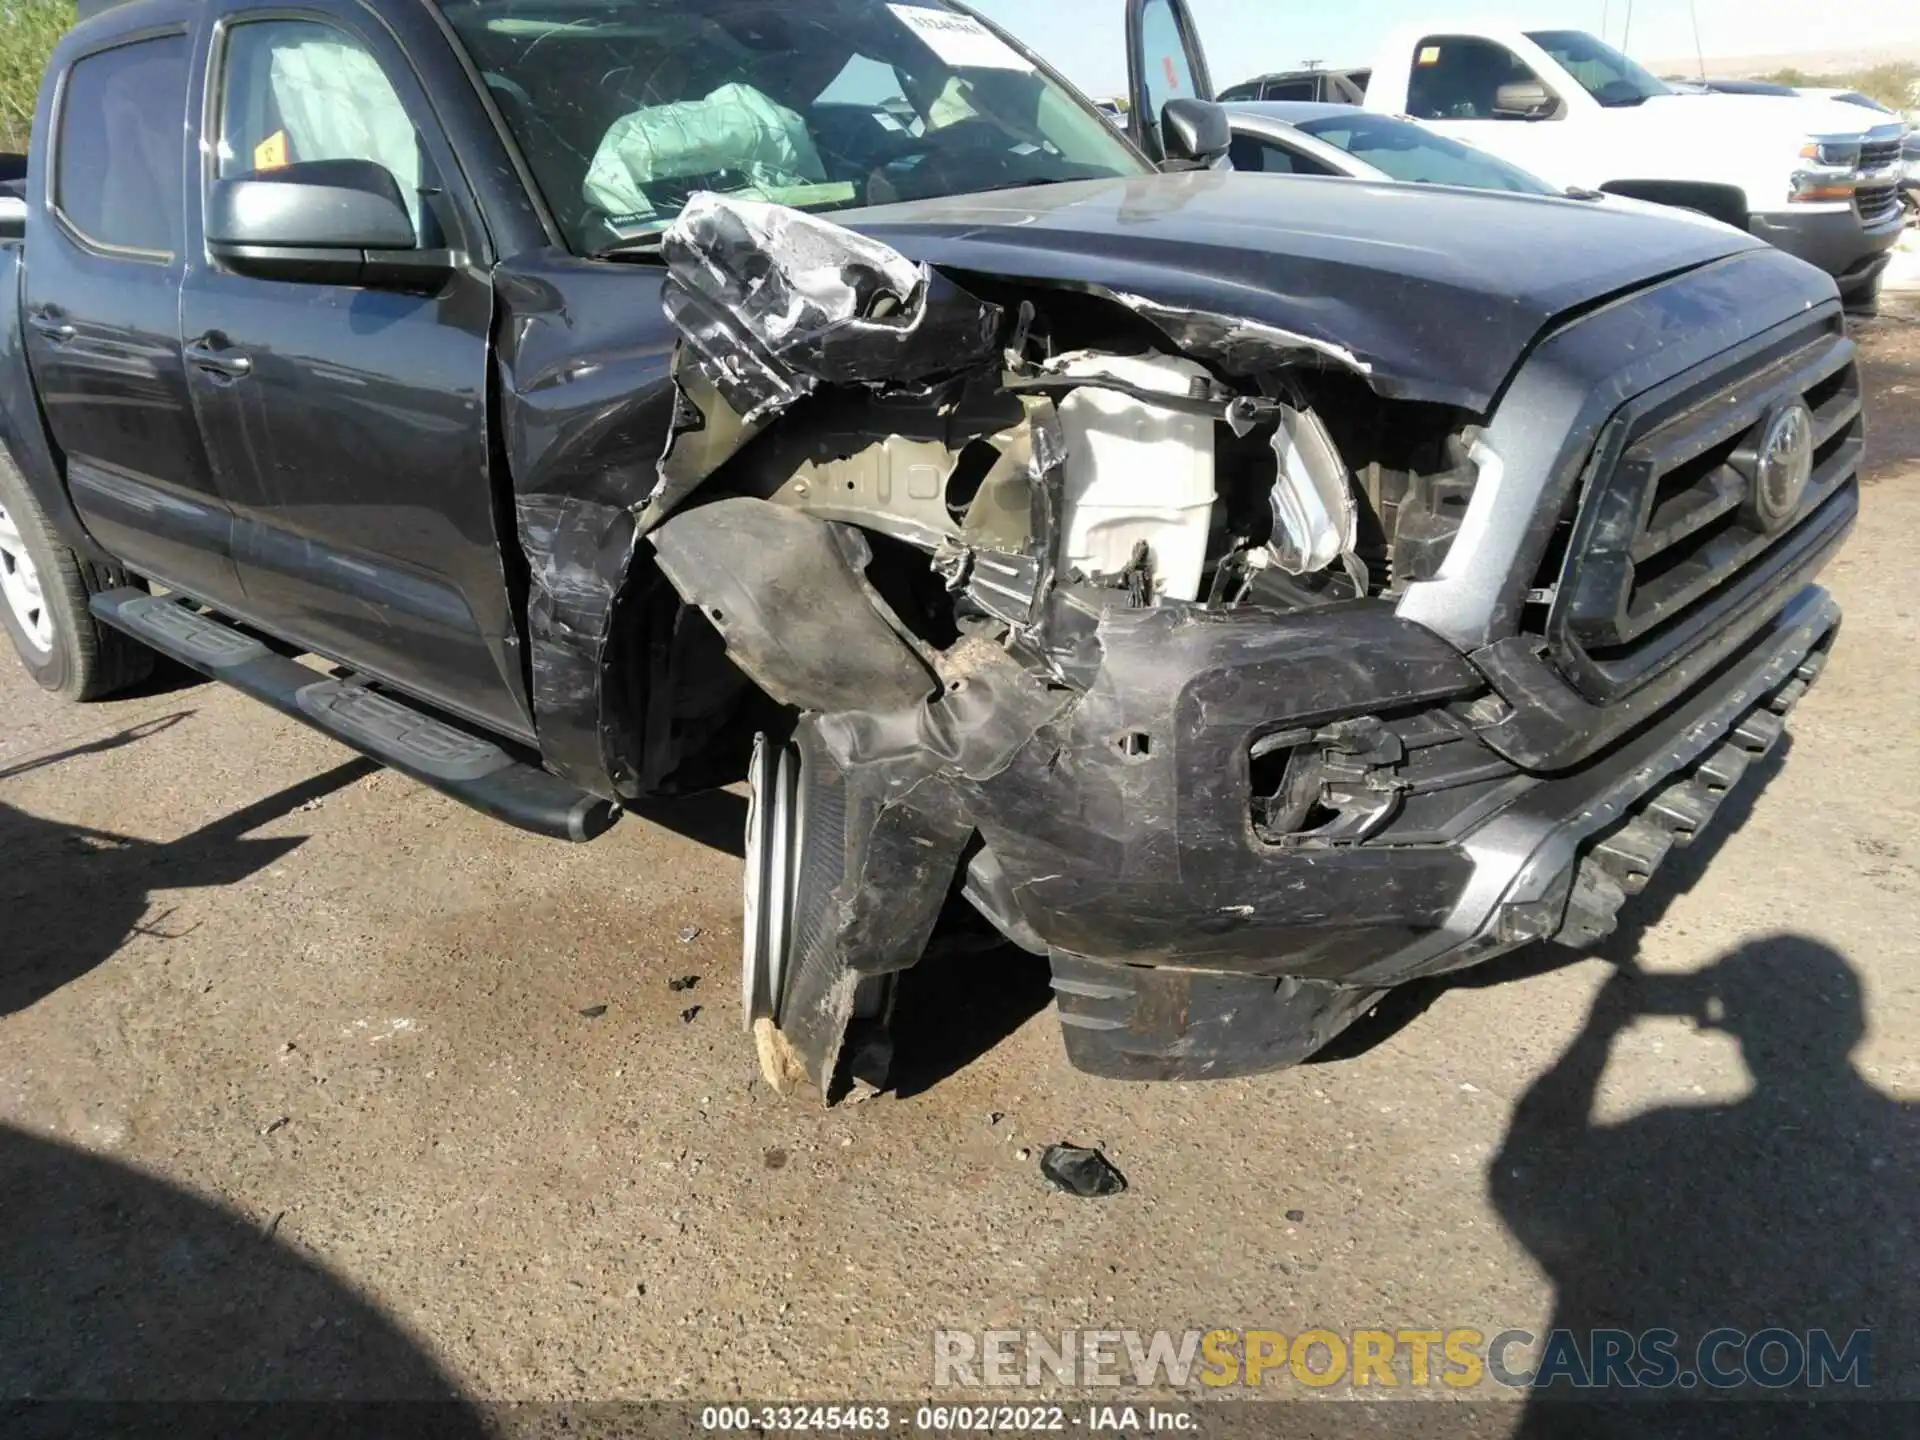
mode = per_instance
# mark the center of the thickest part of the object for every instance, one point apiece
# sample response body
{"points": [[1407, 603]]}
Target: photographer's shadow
{"points": [[1794, 1207], [119, 1286]]}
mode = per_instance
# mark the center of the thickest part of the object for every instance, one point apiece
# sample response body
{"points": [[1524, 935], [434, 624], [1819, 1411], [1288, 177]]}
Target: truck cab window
{"points": [[117, 162], [297, 90], [1603, 72], [1460, 77]]}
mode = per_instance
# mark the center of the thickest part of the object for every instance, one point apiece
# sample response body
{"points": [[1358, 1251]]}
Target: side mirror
{"points": [[1525, 100], [329, 222], [1194, 133], [13, 209]]}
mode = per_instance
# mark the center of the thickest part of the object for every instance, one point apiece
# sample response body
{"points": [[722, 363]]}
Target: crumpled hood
{"points": [[1435, 293]]}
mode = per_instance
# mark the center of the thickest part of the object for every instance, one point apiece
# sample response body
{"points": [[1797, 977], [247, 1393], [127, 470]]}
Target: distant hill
{"points": [[1811, 62]]}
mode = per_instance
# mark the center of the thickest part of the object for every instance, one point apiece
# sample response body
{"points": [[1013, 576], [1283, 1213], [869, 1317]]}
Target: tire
{"points": [[44, 587]]}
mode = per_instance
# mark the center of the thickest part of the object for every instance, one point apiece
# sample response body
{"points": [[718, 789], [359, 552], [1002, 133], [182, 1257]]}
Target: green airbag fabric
{"points": [[736, 129]]}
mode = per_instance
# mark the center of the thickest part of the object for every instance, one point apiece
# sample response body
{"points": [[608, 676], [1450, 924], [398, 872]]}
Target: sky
{"points": [[1084, 39]]}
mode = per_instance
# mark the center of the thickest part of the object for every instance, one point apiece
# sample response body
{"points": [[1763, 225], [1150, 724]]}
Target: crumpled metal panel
{"points": [[773, 302], [587, 398], [786, 591]]}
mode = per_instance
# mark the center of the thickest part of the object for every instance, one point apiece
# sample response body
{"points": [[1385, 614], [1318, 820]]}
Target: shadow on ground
{"points": [[714, 818], [118, 1286], [1773, 1239], [970, 992], [70, 896]]}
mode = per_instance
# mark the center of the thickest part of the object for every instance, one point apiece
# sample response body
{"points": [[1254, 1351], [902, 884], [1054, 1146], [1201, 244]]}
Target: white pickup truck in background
{"points": [[1819, 178]]}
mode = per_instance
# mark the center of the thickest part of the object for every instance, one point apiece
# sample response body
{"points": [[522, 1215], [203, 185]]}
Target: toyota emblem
{"points": [[1783, 467]]}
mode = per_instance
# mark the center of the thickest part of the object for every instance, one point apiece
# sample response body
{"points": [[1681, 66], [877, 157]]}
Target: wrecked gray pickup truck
{"points": [[1249, 593]]}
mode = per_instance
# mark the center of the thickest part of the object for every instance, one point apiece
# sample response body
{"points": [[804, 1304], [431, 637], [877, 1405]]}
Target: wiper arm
{"points": [[632, 247]]}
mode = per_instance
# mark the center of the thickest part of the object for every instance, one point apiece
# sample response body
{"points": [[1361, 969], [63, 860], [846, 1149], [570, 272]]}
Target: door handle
{"points": [[220, 360], [51, 326]]}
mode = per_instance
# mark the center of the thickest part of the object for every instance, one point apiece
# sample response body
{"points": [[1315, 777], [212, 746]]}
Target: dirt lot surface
{"points": [[313, 1083]]}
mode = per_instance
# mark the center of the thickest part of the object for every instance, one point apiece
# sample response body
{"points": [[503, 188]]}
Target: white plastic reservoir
{"points": [[1137, 472]]}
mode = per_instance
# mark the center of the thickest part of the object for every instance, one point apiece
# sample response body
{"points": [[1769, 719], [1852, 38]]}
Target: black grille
{"points": [[1879, 194], [1667, 543], [1878, 154], [1878, 203]]}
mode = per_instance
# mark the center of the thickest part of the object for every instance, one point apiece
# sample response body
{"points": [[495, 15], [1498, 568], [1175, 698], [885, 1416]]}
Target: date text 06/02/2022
{"points": [[944, 1419]]}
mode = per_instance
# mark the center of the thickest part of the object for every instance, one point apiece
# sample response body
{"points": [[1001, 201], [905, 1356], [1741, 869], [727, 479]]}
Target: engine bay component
{"points": [[1314, 517], [897, 486], [1137, 473]]}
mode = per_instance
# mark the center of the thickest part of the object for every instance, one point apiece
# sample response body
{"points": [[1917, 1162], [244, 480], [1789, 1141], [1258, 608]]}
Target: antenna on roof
{"points": [[1699, 55], [1626, 37]]}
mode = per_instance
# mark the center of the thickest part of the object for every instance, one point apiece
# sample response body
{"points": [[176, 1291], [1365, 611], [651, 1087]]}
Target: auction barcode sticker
{"points": [[960, 40]]}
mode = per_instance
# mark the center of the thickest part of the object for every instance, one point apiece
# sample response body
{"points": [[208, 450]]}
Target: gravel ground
{"points": [[313, 1083]]}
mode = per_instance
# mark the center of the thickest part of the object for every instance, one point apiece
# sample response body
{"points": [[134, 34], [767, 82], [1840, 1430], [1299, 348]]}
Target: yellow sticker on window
{"points": [[271, 153], [1429, 55]]}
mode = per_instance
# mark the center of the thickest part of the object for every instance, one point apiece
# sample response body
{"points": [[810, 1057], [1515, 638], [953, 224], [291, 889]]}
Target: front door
{"points": [[349, 426], [1476, 90], [1165, 61], [102, 302]]}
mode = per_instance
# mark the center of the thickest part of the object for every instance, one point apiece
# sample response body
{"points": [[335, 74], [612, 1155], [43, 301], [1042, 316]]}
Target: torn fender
{"points": [[584, 372], [787, 593], [883, 844]]}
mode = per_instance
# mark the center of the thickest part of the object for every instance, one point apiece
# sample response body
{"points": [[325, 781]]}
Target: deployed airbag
{"points": [[736, 130], [337, 104]]}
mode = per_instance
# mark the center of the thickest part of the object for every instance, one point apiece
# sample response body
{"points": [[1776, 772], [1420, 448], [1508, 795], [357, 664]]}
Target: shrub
{"points": [[29, 29]]}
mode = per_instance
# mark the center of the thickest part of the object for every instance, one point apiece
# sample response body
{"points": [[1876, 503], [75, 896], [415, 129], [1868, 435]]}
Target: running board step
{"points": [[465, 767]]}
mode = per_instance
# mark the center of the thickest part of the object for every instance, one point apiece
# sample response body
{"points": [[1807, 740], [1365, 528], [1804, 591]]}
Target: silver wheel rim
{"points": [[20, 586], [773, 852]]}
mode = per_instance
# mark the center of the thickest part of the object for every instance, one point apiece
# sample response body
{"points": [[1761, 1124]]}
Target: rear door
{"points": [[102, 301], [1165, 61], [348, 425]]}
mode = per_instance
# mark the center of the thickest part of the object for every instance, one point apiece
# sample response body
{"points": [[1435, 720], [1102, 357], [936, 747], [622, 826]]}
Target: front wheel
{"points": [[43, 605]]}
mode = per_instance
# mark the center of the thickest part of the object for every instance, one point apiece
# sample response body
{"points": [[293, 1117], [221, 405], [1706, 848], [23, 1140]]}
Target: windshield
{"points": [[1603, 72], [1405, 151], [625, 108]]}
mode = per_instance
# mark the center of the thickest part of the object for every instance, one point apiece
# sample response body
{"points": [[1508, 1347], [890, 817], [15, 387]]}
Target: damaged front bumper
{"points": [[1528, 858], [1229, 824]]}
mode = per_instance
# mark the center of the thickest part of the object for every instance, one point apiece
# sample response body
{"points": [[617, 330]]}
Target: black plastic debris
{"points": [[1080, 1171], [684, 982], [593, 1012], [686, 1015], [1296, 1216]]}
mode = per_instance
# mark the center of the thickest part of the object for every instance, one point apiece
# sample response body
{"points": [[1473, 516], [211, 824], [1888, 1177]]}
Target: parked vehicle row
{"points": [[1249, 594], [1818, 177]]}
